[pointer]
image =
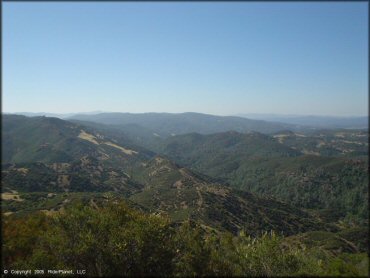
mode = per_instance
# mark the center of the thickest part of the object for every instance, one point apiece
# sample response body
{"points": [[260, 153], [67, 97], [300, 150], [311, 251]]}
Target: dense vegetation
{"points": [[85, 175], [115, 240], [159, 186], [263, 165], [190, 207], [338, 142], [52, 140]]}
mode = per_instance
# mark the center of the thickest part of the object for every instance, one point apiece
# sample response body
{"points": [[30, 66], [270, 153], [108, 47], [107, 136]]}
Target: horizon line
{"points": [[243, 114]]}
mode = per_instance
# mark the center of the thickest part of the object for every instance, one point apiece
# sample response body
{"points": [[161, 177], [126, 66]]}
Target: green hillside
{"points": [[264, 165], [349, 240], [329, 142], [184, 195], [49, 140], [221, 152], [98, 163], [85, 175], [64, 182]]}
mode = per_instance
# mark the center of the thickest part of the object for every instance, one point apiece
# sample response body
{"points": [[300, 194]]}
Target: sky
{"points": [[212, 57]]}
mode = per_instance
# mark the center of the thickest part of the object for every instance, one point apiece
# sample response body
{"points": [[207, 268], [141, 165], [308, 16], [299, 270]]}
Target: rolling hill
{"points": [[51, 156], [183, 194], [327, 142], [314, 121], [48, 140], [268, 166]]}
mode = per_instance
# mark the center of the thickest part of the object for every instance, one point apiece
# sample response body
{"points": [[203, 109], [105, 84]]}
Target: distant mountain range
{"points": [[313, 121], [56, 115], [168, 123]]}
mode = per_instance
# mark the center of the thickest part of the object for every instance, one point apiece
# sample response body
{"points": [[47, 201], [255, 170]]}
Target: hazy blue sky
{"points": [[218, 58]]}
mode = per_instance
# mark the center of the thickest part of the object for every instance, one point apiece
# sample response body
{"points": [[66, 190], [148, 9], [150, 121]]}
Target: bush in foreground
{"points": [[116, 240]]}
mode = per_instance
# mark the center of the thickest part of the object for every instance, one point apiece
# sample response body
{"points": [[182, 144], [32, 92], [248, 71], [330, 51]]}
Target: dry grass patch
{"points": [[281, 137], [89, 137], [11, 196], [24, 171], [126, 151], [310, 152]]}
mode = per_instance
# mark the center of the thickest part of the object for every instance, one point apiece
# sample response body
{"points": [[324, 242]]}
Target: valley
{"points": [[306, 186]]}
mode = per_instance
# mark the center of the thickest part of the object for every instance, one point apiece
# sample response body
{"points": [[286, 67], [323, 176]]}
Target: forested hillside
{"points": [[268, 166], [89, 196], [100, 164]]}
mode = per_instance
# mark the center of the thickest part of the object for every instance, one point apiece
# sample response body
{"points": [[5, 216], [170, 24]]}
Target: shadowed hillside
{"points": [[277, 167], [73, 158]]}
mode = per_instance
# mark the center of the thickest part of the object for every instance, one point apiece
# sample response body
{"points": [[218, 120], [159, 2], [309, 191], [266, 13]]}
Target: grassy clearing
{"points": [[126, 151], [89, 137], [11, 196]]}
